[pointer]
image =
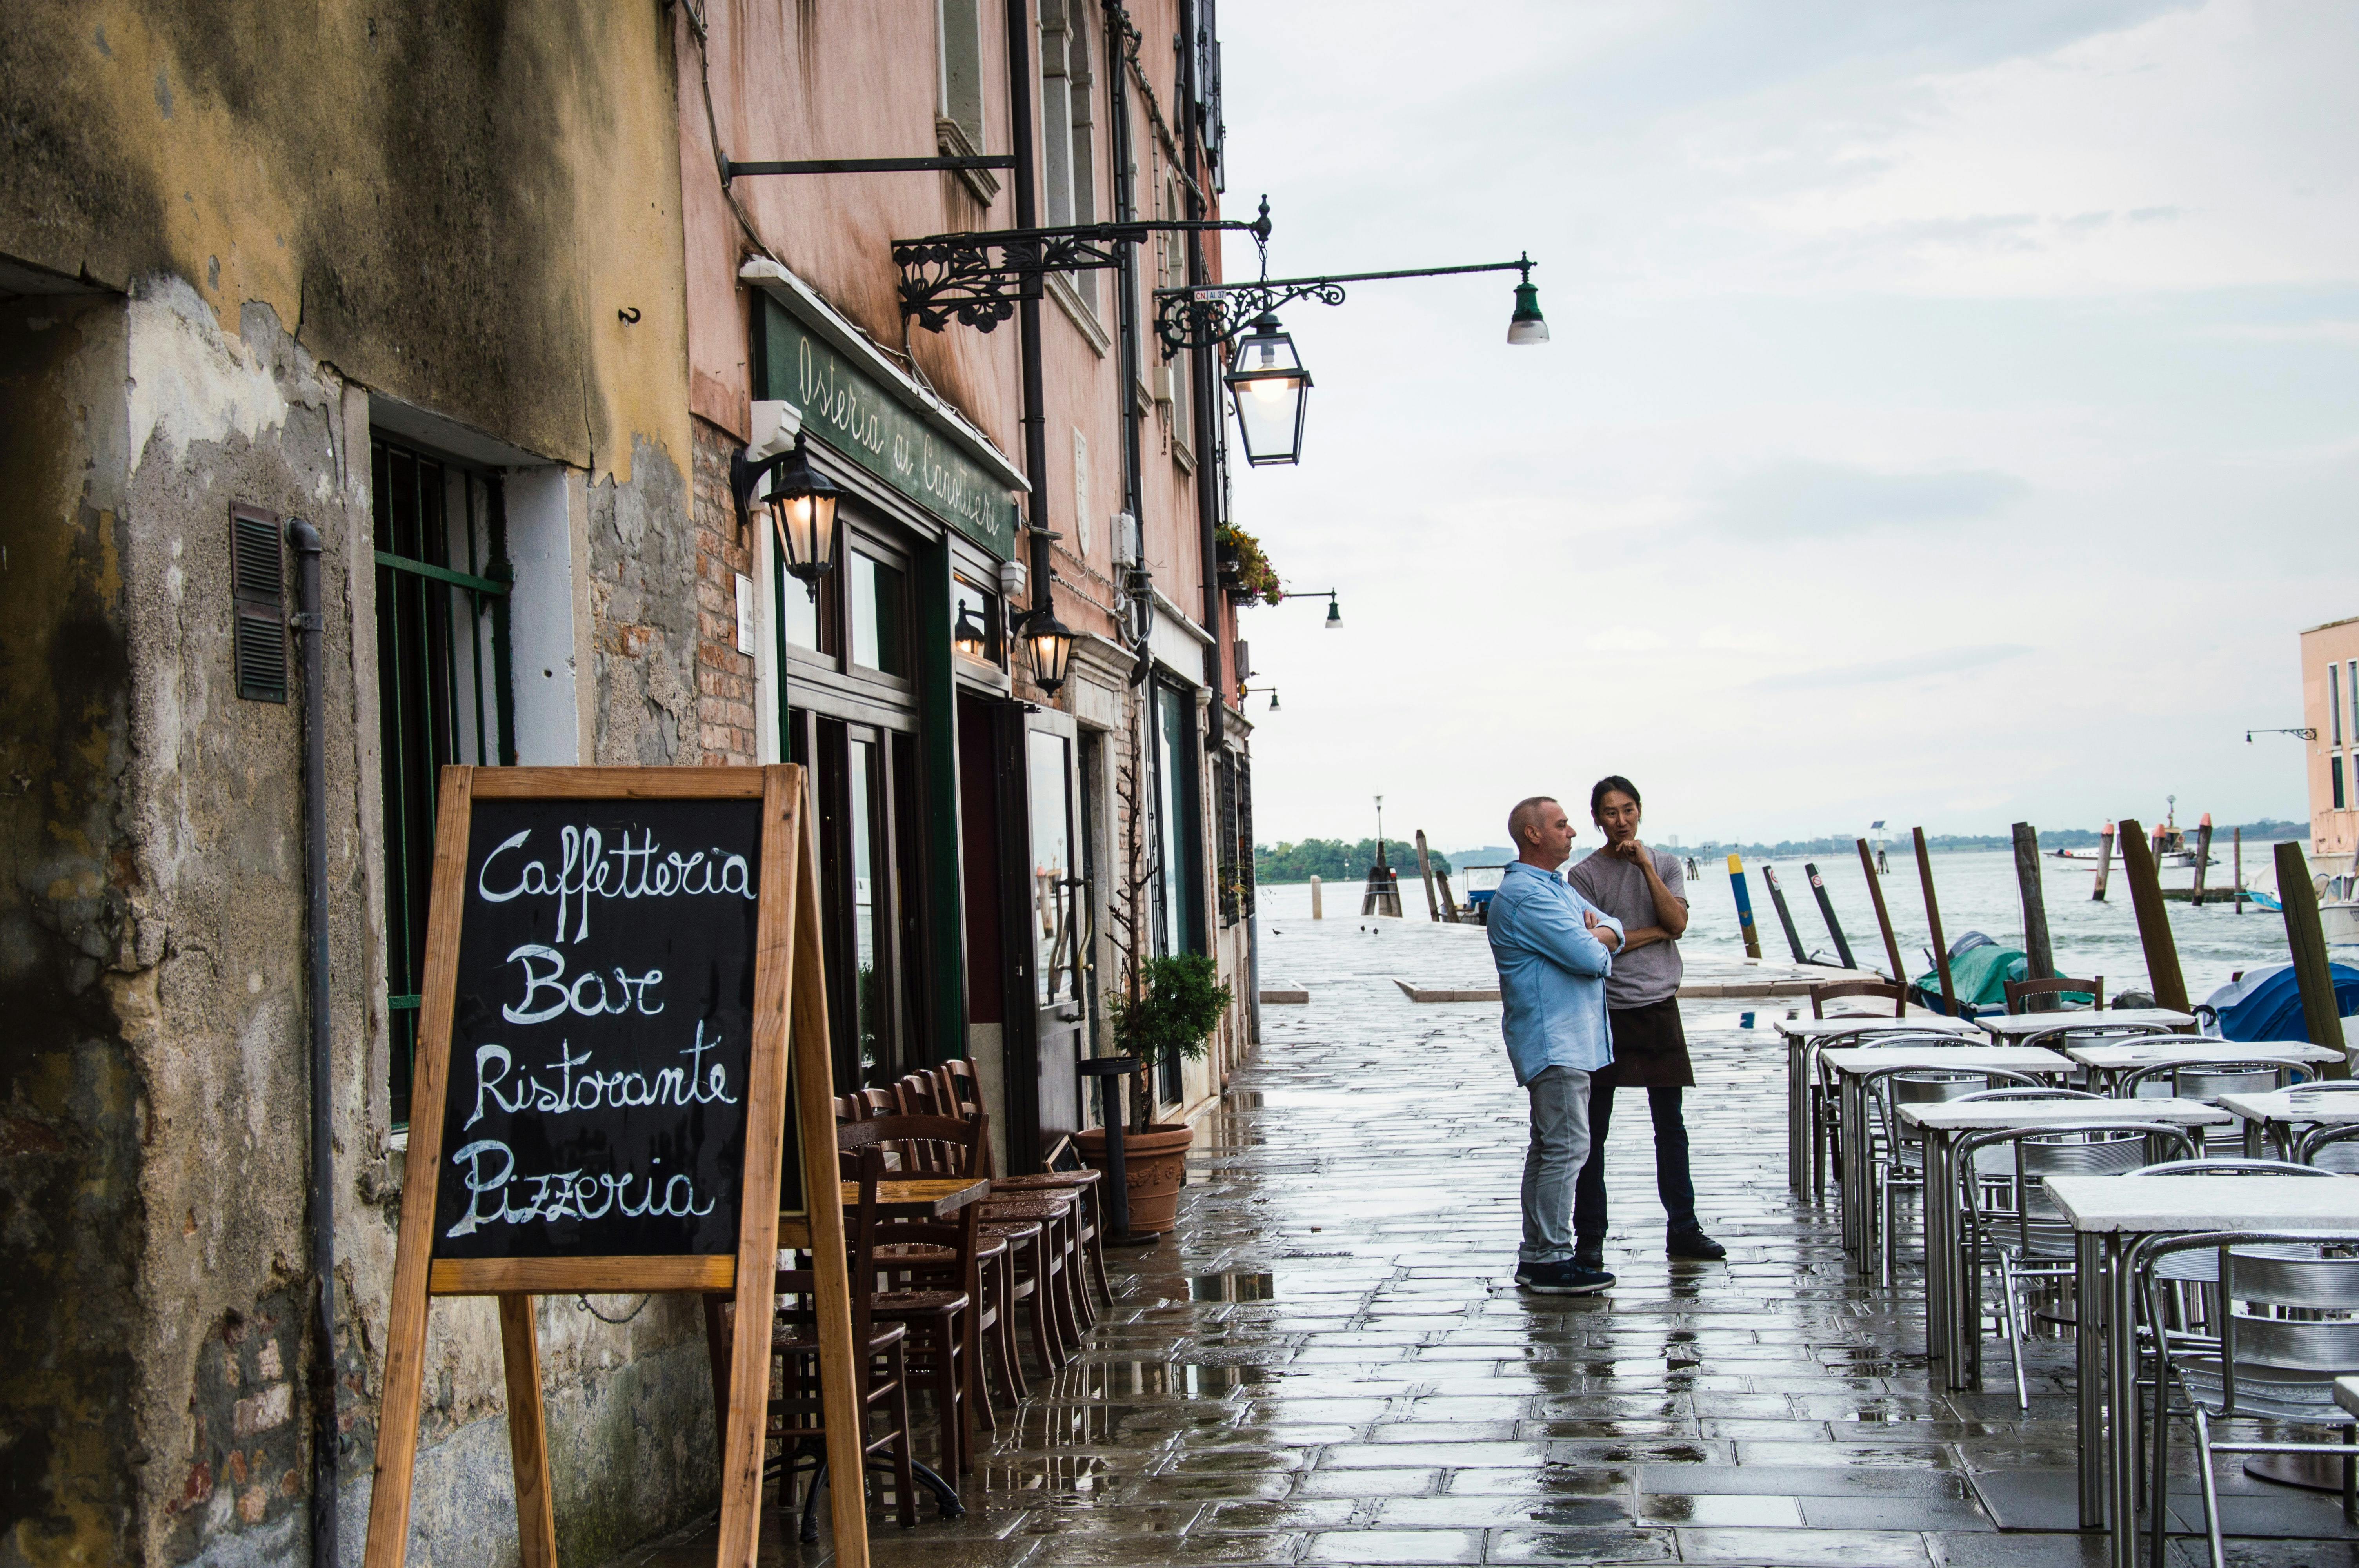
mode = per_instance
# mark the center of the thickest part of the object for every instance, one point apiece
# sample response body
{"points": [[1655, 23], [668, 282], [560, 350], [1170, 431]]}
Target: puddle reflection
{"points": [[1232, 1288]]}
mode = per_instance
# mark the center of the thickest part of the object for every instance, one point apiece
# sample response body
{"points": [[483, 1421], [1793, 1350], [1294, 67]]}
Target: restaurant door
{"points": [[849, 715], [1057, 921]]}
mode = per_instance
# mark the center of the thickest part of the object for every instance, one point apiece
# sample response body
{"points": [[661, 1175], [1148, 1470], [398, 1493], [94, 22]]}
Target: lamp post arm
{"points": [[1211, 314]]}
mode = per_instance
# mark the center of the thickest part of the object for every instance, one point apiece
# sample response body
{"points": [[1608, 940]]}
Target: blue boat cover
{"points": [[2267, 1004]]}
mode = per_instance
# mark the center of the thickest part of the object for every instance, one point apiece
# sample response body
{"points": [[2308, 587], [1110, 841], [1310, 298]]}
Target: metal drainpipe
{"points": [[308, 625], [1201, 369], [1027, 309]]}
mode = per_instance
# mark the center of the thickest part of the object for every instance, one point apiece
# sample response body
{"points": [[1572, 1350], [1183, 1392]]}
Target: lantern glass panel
{"points": [[1269, 385]]}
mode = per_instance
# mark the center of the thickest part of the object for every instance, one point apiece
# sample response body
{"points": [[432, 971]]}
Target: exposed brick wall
{"points": [[724, 678]]}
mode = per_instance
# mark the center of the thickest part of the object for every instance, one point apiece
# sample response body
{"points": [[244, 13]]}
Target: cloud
{"points": [[1803, 500], [1948, 661]]}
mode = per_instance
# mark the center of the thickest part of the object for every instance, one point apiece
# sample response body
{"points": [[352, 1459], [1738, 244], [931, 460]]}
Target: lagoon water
{"points": [[1977, 891]]}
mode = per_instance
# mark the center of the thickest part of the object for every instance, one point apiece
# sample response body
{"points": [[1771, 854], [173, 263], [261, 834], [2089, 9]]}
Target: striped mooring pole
{"points": [[1744, 907]]}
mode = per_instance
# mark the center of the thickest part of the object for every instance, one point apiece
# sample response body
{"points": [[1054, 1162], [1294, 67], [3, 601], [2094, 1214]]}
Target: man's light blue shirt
{"points": [[1552, 973]]}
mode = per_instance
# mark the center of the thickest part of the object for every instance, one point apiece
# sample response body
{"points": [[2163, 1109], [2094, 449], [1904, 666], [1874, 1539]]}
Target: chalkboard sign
{"points": [[602, 1031], [622, 1081]]}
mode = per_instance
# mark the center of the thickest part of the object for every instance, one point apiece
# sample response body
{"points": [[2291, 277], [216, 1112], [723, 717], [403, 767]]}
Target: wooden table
{"points": [[2110, 1213], [1853, 1065], [2280, 1112], [1805, 1160], [2110, 1062], [2024, 1027], [920, 1197], [1952, 1291]]}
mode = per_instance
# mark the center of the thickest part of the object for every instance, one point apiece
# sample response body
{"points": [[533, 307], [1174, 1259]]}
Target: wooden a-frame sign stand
{"points": [[788, 986]]}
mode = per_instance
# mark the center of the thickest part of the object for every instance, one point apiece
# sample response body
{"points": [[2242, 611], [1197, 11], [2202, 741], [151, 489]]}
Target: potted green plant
{"points": [[1181, 999]]}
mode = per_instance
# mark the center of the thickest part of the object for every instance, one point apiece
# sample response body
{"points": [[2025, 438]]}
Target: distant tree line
{"points": [[1331, 860], [1899, 842]]}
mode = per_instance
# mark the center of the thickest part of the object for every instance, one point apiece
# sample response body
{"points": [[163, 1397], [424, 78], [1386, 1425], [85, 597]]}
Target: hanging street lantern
{"points": [[802, 510], [801, 505], [1527, 326], [1334, 614], [1050, 644], [1267, 379]]}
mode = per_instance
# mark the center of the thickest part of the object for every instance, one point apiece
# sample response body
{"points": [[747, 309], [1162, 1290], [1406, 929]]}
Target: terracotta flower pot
{"points": [[1153, 1165]]}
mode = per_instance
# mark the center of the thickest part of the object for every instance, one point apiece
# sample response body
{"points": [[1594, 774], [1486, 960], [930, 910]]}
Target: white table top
{"points": [[1915, 1024], [2346, 1393], [2299, 1106], [1978, 1115], [2150, 1204], [2164, 1048], [1961, 1058], [2013, 1024]]}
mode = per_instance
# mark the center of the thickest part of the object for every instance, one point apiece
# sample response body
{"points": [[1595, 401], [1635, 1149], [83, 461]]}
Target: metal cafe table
{"points": [[1953, 1292], [2109, 1213], [2277, 1114], [1803, 1035], [1851, 1064], [2029, 1026], [2106, 1063]]}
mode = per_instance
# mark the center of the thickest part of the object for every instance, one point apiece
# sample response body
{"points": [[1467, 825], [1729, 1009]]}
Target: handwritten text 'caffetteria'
{"points": [[588, 869]]}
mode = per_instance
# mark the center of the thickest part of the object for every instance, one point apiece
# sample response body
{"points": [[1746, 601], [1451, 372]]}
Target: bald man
{"points": [[1554, 949]]}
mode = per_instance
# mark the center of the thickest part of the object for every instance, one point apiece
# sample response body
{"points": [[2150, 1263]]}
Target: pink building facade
{"points": [[1002, 857]]}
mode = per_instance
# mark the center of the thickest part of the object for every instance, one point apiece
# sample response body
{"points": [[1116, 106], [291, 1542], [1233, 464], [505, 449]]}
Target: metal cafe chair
{"points": [[1825, 1095], [2287, 1324], [1896, 1162], [2207, 1081], [2334, 1148], [2005, 1171]]}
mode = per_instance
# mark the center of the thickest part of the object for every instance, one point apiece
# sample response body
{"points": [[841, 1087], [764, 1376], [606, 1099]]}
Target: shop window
{"points": [[444, 687], [878, 619]]}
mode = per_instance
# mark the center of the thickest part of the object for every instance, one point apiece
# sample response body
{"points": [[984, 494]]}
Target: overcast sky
{"points": [[1952, 415]]}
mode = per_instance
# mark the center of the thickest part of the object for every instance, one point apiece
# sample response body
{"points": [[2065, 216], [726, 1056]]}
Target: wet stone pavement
{"points": [[1329, 1362]]}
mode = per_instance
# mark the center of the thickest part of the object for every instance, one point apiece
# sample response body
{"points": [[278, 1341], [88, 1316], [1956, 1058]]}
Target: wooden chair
{"points": [[797, 1417], [1835, 990], [943, 1320], [964, 1095], [1040, 1227], [2021, 994]]}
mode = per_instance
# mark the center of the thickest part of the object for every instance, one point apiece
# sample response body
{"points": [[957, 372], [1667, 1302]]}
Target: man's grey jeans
{"points": [[1552, 1164]]}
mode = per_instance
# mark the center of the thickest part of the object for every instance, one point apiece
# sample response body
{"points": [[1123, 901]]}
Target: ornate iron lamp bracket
{"points": [[977, 279], [1213, 315]]}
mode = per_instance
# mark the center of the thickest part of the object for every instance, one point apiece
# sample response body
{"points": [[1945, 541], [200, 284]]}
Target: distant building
{"points": [[2329, 708]]}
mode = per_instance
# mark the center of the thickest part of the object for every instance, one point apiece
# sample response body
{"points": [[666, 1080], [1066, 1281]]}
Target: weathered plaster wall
{"points": [[452, 203], [152, 942], [643, 604], [471, 209], [69, 1099]]}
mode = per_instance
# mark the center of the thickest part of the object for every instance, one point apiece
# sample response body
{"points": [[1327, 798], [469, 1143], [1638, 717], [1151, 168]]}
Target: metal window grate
{"points": [[259, 598], [445, 693]]}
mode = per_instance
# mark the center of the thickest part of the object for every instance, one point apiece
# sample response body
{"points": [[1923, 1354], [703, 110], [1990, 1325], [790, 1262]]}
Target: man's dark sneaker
{"points": [[1694, 1245], [1565, 1278], [1589, 1255]]}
